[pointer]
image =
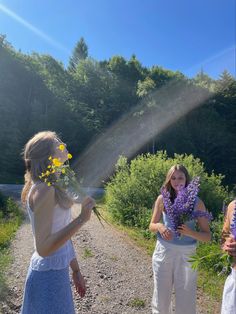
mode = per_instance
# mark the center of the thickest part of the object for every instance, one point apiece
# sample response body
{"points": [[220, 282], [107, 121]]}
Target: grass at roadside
{"points": [[10, 220], [5, 260], [211, 284]]}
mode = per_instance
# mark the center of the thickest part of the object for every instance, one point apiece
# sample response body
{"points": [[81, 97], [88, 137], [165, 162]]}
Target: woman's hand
{"points": [[230, 246], [185, 230], [87, 205], [165, 233], [79, 282]]}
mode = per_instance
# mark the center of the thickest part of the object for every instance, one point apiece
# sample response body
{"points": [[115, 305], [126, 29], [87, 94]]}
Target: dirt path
{"points": [[118, 274]]}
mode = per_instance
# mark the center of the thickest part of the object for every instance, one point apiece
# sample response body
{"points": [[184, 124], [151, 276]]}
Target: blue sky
{"points": [[184, 35]]}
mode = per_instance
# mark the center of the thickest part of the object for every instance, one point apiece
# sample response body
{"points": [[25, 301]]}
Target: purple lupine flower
{"points": [[182, 209], [198, 213], [233, 224], [169, 207]]}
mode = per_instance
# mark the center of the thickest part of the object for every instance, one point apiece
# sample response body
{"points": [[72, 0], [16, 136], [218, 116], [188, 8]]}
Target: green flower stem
{"points": [[99, 216]]}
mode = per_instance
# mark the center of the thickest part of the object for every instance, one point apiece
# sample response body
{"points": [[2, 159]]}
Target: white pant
{"points": [[229, 294], [171, 268]]}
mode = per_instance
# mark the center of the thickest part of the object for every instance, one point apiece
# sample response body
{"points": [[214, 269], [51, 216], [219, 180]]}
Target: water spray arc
{"points": [[131, 132]]}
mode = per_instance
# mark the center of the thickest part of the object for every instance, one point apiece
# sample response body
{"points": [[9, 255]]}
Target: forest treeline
{"points": [[81, 101]]}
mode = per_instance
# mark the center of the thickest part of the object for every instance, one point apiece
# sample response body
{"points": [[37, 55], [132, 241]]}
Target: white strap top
{"points": [[62, 257]]}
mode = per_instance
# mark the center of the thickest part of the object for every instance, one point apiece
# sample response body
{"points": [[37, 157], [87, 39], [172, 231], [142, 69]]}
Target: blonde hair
{"points": [[36, 153], [167, 183]]}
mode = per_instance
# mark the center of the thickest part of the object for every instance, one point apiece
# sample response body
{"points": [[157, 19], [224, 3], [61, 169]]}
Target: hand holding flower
{"points": [[230, 246], [185, 230], [165, 233], [87, 206]]}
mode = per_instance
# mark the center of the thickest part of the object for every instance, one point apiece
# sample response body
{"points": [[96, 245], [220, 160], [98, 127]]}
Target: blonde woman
{"points": [[47, 286], [170, 258]]}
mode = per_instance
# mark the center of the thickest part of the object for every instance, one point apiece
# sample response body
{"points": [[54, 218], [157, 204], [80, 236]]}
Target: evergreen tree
{"points": [[203, 80], [80, 53]]}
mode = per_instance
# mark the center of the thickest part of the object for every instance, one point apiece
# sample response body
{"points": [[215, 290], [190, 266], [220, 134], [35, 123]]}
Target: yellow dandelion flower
{"points": [[49, 184], [56, 162], [61, 147], [69, 156]]}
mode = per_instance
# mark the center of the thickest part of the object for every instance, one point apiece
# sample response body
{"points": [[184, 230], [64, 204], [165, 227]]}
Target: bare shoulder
{"points": [[43, 194], [42, 189], [159, 204], [200, 205], [159, 200], [232, 205], [230, 209]]}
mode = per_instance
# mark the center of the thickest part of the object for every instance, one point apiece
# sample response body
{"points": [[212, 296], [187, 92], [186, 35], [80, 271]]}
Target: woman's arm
{"points": [[226, 226], [204, 235], [43, 204], [78, 279], [74, 265], [228, 242], [155, 224]]}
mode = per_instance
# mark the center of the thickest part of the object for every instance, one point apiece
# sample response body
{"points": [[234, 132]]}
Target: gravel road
{"points": [[118, 273]]}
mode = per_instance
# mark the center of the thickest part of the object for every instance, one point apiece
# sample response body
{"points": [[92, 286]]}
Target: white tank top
{"points": [[62, 257]]}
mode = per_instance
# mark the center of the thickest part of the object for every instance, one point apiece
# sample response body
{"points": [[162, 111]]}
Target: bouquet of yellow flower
{"points": [[61, 175]]}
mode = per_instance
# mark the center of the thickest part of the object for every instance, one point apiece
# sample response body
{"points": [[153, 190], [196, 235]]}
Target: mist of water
{"points": [[130, 133]]}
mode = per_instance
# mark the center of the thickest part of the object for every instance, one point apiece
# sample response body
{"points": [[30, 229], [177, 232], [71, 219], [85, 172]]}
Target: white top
{"points": [[62, 257]]}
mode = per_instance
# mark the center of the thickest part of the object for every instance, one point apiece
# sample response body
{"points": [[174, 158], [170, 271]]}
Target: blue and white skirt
{"points": [[48, 292]]}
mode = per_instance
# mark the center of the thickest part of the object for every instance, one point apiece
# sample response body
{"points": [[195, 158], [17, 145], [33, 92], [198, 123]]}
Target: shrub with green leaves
{"points": [[10, 219], [3, 199], [133, 189]]}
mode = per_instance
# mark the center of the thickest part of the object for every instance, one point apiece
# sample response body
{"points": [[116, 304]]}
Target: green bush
{"points": [[206, 249], [216, 229], [209, 256], [10, 219], [8, 208], [2, 202], [7, 230], [133, 189]]}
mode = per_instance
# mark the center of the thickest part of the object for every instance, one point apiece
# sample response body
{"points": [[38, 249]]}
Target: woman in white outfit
{"points": [[47, 287], [170, 258], [229, 245]]}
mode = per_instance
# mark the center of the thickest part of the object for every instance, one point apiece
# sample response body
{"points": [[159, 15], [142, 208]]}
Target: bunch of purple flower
{"points": [[233, 224], [182, 209]]}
